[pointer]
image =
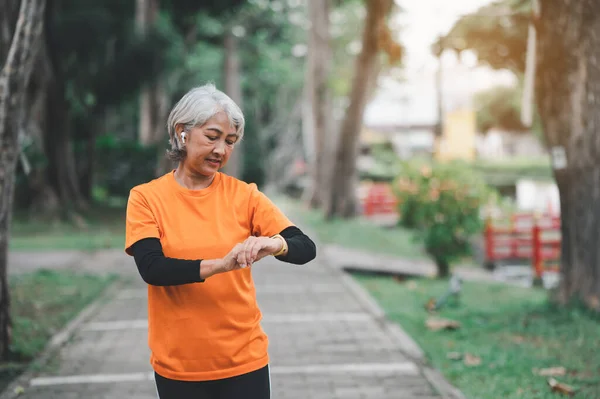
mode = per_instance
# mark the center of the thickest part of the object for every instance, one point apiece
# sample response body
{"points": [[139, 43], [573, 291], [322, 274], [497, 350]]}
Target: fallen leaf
{"points": [[472, 360], [19, 390], [430, 305], [593, 302], [454, 355], [518, 339], [441, 324], [560, 387], [550, 371]]}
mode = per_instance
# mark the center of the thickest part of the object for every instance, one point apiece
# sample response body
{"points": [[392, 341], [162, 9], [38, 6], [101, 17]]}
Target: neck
{"points": [[191, 180]]}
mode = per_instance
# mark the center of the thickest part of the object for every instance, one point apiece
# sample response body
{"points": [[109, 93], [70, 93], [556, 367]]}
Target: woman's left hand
{"points": [[256, 248]]}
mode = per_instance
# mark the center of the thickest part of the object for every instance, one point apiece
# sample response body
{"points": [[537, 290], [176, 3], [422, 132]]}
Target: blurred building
{"points": [[500, 144], [405, 110], [404, 114]]}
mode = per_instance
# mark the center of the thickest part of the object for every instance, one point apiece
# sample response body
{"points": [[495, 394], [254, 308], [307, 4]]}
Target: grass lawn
{"points": [[99, 228], [511, 330], [42, 303], [356, 233]]}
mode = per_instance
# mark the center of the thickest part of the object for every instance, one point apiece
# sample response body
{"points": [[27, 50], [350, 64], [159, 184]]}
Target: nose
{"points": [[219, 147]]}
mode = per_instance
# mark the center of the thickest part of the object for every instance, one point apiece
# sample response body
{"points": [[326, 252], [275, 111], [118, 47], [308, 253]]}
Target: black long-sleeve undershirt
{"points": [[156, 269]]}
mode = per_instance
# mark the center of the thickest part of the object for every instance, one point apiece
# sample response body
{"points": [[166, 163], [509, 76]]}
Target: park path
{"points": [[327, 339]]}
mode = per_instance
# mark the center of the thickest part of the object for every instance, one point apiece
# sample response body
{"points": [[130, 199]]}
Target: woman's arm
{"points": [[156, 269], [301, 249]]}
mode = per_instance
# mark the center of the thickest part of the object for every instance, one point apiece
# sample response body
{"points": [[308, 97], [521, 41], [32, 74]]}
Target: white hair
{"points": [[195, 108]]}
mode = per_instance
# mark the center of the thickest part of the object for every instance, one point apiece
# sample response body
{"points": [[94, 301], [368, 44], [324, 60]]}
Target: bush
{"points": [[442, 201], [123, 164]]}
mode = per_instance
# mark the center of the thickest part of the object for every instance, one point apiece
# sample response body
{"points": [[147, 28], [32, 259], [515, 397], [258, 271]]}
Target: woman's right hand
{"points": [[229, 262], [226, 264], [209, 268]]}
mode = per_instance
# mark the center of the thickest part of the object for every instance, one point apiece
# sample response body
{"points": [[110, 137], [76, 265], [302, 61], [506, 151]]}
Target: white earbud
{"points": [[183, 137]]}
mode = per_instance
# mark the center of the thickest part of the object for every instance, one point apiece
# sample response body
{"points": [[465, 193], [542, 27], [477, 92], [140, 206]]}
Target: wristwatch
{"points": [[284, 247]]}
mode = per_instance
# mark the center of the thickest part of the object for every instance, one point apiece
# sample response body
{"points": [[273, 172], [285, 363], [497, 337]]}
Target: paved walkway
{"points": [[327, 339]]}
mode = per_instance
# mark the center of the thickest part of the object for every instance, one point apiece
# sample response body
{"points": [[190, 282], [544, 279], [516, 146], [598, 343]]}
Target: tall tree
{"points": [[341, 193], [499, 107], [568, 102], [77, 78], [153, 98], [233, 88], [318, 118], [14, 77]]}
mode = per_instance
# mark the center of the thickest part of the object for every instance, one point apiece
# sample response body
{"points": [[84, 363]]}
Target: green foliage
{"points": [[386, 163], [185, 13], [500, 107], [98, 64], [123, 164], [496, 32], [347, 21], [442, 201], [94, 47], [272, 82]]}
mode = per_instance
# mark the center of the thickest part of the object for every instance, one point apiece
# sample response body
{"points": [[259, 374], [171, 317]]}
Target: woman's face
{"points": [[209, 146]]}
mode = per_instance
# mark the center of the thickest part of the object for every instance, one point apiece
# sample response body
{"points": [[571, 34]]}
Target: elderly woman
{"points": [[195, 234]]}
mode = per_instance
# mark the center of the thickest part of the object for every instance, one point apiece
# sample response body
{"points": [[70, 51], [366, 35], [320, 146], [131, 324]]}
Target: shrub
{"points": [[443, 202], [123, 164]]}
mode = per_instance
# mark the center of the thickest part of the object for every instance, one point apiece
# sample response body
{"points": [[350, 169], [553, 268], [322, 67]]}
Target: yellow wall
{"points": [[458, 137], [369, 136]]}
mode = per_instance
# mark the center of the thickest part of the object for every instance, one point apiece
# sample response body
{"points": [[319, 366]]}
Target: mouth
{"points": [[214, 162]]}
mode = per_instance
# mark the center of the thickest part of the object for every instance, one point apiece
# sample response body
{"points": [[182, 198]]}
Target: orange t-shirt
{"points": [[210, 330]]}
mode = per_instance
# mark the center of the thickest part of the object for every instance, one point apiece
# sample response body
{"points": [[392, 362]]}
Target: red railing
{"points": [[525, 236], [379, 200]]}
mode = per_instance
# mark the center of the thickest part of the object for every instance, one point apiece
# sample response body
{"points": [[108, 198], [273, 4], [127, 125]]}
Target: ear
{"points": [[179, 127]]}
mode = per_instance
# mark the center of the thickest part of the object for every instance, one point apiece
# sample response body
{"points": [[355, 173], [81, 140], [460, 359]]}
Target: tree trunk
{"points": [[8, 20], [14, 78], [568, 99], [233, 88], [308, 136], [61, 169], [42, 198], [341, 195], [319, 99], [151, 118], [54, 186]]}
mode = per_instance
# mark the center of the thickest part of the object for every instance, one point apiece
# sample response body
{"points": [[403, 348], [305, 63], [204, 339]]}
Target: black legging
{"points": [[254, 385]]}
